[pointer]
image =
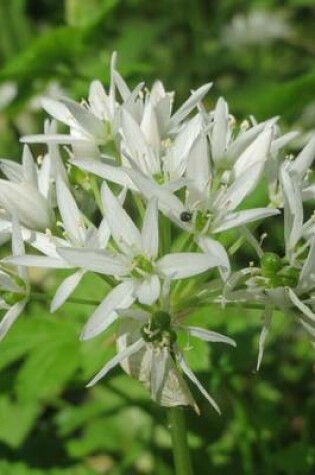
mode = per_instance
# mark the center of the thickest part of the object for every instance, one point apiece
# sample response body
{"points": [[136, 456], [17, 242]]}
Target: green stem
{"points": [[181, 452], [165, 234], [41, 297]]}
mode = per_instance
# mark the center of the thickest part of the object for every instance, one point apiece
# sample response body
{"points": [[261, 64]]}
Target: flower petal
{"points": [[119, 297], [185, 264], [215, 248], [108, 172], [307, 275], [148, 290], [150, 230], [267, 314], [304, 159], [208, 335], [194, 380], [130, 350], [31, 260], [88, 121], [65, 289], [135, 143], [11, 315], [167, 202], [27, 203], [300, 305], [168, 387], [233, 220], [71, 216], [220, 130], [95, 260], [256, 153], [123, 229], [293, 208], [189, 104], [54, 139]]}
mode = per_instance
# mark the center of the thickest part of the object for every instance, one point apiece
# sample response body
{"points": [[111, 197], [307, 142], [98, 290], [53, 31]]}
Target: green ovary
{"points": [[159, 178], [158, 330], [141, 266], [277, 272]]}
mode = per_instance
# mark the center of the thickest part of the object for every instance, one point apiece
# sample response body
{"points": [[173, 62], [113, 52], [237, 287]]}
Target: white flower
{"points": [[228, 140], [14, 284], [148, 352], [278, 283], [133, 260], [284, 282], [27, 192], [210, 206], [151, 144], [75, 234], [255, 28], [298, 169]]}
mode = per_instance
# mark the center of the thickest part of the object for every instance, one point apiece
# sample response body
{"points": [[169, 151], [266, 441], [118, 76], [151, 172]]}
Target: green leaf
{"points": [[48, 56], [288, 98], [13, 468], [50, 366], [112, 433], [14, 429], [80, 13]]}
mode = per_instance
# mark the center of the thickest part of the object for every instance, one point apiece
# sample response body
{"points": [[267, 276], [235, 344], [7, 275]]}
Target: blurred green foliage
{"points": [[49, 423]]}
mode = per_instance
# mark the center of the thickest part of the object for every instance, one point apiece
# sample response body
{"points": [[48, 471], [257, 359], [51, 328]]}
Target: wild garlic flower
{"points": [[27, 191], [95, 123], [14, 283], [298, 168], [256, 28], [284, 282], [147, 351], [178, 182], [75, 233], [132, 259], [210, 202]]}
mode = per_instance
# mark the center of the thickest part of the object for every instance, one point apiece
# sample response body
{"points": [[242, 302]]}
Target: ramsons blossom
{"points": [[146, 197]]}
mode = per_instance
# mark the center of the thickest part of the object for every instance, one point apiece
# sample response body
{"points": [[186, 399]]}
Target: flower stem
{"points": [[42, 297], [181, 452]]}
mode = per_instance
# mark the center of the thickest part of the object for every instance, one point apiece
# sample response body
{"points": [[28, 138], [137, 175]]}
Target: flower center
{"points": [[158, 330], [277, 272], [141, 266], [159, 178]]}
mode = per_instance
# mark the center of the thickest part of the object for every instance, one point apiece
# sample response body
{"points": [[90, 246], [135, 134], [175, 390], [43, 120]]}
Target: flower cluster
{"points": [[144, 196]]}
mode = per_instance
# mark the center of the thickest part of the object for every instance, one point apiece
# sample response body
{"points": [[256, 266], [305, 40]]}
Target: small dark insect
{"points": [[186, 216]]}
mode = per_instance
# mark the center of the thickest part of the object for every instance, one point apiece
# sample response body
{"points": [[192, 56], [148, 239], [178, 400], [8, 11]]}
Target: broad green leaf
{"points": [[16, 420], [14, 468], [50, 366], [80, 13], [287, 99], [119, 431]]}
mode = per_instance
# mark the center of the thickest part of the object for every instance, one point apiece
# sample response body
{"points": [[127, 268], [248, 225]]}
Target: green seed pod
{"points": [[288, 276], [270, 264], [12, 298], [77, 176]]}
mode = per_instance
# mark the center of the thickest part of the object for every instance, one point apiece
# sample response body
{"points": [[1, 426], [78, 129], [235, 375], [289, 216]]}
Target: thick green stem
{"points": [[181, 452]]}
